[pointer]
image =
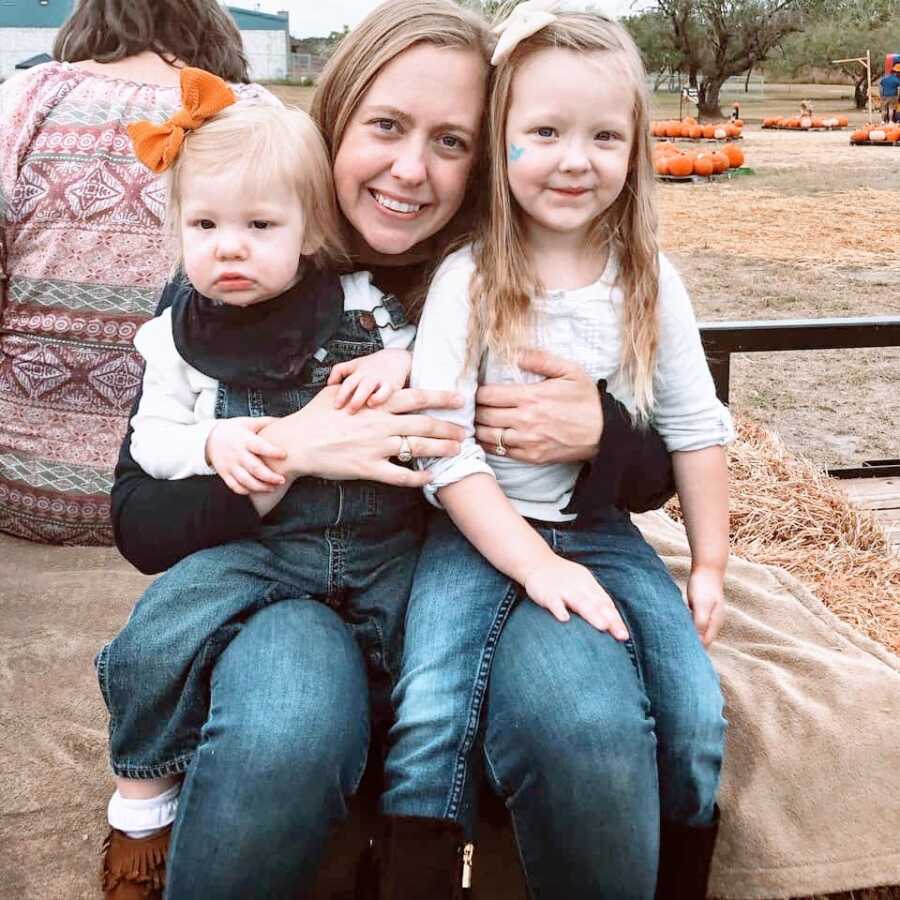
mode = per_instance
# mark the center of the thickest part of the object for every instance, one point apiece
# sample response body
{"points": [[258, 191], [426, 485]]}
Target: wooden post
{"points": [[869, 81]]}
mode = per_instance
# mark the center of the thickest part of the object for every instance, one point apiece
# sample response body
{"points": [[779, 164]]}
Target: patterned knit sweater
{"points": [[83, 257]]}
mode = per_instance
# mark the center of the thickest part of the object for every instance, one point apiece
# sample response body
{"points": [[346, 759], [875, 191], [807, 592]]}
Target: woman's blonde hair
{"points": [[505, 280], [382, 36], [267, 149], [198, 32]]}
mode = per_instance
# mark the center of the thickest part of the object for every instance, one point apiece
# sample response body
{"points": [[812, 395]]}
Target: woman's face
{"points": [[401, 169]]}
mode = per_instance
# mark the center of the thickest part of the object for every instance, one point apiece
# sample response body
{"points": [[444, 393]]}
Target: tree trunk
{"points": [[859, 93], [708, 98]]}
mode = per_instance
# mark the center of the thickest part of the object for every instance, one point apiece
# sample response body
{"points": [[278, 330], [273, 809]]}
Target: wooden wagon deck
{"points": [[882, 497]]}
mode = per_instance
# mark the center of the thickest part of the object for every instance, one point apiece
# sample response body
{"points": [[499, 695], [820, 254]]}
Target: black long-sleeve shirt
{"points": [[156, 523]]}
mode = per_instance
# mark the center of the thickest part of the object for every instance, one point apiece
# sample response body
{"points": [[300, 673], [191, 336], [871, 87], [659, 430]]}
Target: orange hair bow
{"points": [[202, 96]]}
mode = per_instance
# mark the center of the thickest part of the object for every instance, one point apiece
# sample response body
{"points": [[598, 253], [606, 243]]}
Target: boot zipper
{"points": [[468, 856]]}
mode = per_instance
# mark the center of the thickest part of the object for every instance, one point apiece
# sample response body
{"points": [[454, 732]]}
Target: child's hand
{"points": [[706, 598], [559, 585], [235, 450], [370, 380]]}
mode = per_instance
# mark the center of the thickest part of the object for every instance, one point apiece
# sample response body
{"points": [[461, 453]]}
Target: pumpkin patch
{"points": [[672, 162], [689, 129]]}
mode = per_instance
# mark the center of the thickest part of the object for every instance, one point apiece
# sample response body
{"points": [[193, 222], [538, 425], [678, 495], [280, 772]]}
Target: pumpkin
{"points": [[720, 134], [696, 132], [681, 166], [709, 131], [673, 129], [732, 131], [859, 136], [877, 134], [720, 162], [661, 165], [770, 122], [657, 129], [735, 155], [843, 121], [830, 122], [805, 122], [688, 120], [703, 165], [817, 122], [738, 123], [893, 135]]}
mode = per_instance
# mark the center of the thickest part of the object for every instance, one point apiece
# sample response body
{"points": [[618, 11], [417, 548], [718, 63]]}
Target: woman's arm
{"points": [[569, 418]]}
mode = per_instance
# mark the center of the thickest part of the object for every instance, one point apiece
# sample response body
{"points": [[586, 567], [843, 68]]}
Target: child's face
{"points": [[569, 133], [238, 247]]}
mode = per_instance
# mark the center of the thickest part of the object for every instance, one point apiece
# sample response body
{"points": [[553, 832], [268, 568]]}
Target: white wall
{"points": [[267, 53], [19, 44]]}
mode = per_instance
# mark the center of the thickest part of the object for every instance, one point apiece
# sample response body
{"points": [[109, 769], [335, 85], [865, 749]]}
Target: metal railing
{"points": [[721, 339]]}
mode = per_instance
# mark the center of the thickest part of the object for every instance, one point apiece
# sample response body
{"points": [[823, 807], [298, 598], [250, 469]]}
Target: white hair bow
{"points": [[525, 20]]}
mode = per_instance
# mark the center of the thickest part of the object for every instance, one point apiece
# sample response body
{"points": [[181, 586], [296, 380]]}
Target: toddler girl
{"points": [[568, 260], [258, 326]]}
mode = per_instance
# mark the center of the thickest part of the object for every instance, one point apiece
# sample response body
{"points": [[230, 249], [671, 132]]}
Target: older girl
{"points": [[281, 748], [567, 258]]}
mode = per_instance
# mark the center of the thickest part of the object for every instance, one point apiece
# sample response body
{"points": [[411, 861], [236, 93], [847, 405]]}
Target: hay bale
{"points": [[787, 512]]}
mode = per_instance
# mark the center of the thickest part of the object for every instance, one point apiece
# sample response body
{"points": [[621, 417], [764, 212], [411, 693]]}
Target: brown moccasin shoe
{"points": [[135, 868]]}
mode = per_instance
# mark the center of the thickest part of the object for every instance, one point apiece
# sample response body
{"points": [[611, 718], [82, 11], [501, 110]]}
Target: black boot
{"points": [[416, 858], [685, 855]]}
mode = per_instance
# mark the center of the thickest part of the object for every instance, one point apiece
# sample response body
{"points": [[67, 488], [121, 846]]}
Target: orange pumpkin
{"points": [[688, 120], [661, 165], [735, 155], [859, 136], [703, 165], [893, 135], [770, 122], [720, 162], [709, 131], [817, 122], [843, 121], [732, 131], [681, 165], [738, 123], [673, 129], [696, 132]]}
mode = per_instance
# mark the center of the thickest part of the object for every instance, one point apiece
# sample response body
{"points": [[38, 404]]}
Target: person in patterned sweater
{"points": [[83, 256]]}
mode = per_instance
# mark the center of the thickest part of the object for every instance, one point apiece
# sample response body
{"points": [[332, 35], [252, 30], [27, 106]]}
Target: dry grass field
{"points": [[814, 232]]}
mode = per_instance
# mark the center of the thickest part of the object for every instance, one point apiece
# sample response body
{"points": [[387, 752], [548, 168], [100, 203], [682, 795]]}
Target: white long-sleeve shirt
{"points": [[177, 408], [583, 325]]}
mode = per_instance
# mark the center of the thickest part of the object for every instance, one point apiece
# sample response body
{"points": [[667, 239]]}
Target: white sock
{"points": [[140, 818]]}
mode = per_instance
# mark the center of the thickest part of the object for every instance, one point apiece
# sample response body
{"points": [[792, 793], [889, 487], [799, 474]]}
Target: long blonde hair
{"points": [[270, 149], [382, 36], [505, 281]]}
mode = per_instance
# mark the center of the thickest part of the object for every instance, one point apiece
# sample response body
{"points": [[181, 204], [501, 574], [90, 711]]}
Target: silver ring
{"points": [[500, 450], [405, 454]]}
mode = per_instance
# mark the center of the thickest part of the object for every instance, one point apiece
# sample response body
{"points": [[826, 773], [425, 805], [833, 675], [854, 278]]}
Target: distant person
{"points": [[736, 112], [83, 255], [890, 90]]}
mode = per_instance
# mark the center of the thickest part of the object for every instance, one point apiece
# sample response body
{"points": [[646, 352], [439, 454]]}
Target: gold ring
{"points": [[500, 450]]}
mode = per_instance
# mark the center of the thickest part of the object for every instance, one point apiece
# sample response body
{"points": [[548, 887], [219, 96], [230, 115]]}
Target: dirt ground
{"points": [[814, 232]]}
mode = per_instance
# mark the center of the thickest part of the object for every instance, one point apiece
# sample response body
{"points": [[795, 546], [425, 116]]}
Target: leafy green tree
{"points": [[846, 30], [712, 40]]}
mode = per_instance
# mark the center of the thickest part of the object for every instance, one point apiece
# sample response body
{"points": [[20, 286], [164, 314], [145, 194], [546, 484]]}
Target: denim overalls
{"points": [[350, 544]]}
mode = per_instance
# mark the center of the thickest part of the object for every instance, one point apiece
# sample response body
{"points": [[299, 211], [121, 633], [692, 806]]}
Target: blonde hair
{"points": [[266, 148], [505, 281], [382, 36]]}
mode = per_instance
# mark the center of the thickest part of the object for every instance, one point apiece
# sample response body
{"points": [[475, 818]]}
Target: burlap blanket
{"points": [[812, 776]]}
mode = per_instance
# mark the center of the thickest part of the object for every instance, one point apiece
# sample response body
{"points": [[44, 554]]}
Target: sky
{"points": [[310, 18]]}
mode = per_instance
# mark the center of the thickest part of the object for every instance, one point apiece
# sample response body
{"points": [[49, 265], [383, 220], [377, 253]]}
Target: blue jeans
{"points": [[283, 746], [357, 553], [591, 741]]}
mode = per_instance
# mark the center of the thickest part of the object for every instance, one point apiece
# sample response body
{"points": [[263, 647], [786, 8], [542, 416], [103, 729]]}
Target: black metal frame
{"points": [[721, 339]]}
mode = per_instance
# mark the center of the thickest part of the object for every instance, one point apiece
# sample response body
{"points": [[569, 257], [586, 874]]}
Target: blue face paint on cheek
{"points": [[515, 152]]}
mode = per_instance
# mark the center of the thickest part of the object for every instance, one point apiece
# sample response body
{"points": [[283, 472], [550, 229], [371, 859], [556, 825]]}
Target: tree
{"points": [[846, 30], [713, 40]]}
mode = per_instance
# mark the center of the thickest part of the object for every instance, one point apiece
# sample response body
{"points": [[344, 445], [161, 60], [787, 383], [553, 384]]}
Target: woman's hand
{"points": [[556, 420], [331, 443], [706, 599]]}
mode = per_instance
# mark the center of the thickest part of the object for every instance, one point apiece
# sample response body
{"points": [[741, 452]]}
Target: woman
{"points": [[400, 105], [83, 255]]}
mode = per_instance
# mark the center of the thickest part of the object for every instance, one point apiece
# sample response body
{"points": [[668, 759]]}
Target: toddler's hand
{"points": [[235, 450], [559, 585], [370, 380], [706, 598]]}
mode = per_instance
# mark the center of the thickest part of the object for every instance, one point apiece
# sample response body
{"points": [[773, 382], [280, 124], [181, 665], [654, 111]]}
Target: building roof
{"points": [[52, 14]]}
